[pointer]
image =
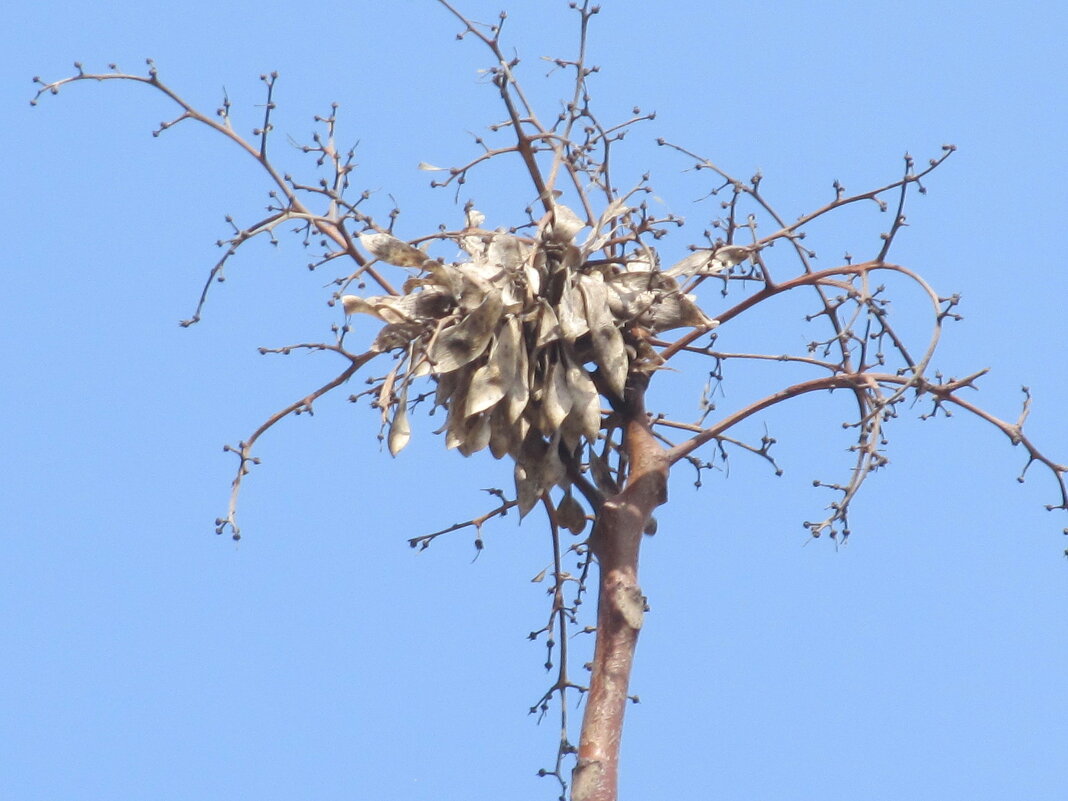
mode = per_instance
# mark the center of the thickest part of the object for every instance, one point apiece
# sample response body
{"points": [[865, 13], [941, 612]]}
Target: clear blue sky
{"points": [[320, 658]]}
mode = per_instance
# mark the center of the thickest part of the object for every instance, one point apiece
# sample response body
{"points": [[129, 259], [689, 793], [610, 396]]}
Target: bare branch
{"points": [[422, 542], [244, 448]]}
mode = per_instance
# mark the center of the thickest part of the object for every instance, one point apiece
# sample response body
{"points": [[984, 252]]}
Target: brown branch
{"points": [[709, 433], [423, 541], [868, 384], [328, 228], [787, 230], [557, 635], [244, 448], [820, 279], [504, 80], [1015, 433]]}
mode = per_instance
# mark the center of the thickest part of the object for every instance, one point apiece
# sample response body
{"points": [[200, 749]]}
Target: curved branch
{"points": [[328, 228], [244, 448], [867, 382]]}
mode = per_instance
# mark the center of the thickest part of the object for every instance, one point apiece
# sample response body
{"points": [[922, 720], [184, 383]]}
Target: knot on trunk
{"points": [[629, 602]]}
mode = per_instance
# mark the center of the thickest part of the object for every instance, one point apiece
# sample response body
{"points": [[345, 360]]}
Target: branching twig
{"points": [[244, 448]]}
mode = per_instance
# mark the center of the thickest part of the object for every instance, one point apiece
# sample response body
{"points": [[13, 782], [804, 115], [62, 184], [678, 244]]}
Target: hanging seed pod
{"points": [[528, 472], [585, 417], [504, 434], [571, 312], [602, 474], [570, 514], [548, 327], [400, 432], [557, 401], [490, 382], [606, 340], [465, 341], [553, 472], [519, 387], [476, 434]]}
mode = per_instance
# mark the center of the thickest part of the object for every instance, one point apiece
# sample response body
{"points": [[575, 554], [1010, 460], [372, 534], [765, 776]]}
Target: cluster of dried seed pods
{"points": [[525, 336]]}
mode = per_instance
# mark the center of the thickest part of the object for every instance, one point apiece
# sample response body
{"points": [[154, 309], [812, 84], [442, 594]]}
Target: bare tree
{"points": [[541, 340]]}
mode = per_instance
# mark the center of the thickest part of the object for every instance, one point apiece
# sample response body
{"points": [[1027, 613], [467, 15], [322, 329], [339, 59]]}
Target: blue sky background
{"points": [[320, 658]]}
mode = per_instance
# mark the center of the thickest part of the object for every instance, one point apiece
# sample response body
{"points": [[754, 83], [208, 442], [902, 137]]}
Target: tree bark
{"points": [[615, 543]]}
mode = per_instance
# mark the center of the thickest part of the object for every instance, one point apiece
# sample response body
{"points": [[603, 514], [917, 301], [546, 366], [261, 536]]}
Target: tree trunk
{"points": [[615, 543]]}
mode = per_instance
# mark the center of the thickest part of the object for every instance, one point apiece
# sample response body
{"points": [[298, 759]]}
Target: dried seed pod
{"points": [[396, 335], [708, 262], [602, 474], [529, 467], [565, 225], [455, 400], [532, 276], [728, 256], [570, 514], [476, 434], [693, 264], [571, 313], [585, 417], [429, 303], [400, 432], [519, 385], [606, 340], [548, 327], [392, 250], [475, 218], [557, 401], [504, 435], [602, 233], [676, 311], [553, 472], [485, 391], [465, 341]]}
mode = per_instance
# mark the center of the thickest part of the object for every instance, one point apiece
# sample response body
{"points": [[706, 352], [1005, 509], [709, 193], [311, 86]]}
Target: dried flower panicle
{"points": [[526, 335]]}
